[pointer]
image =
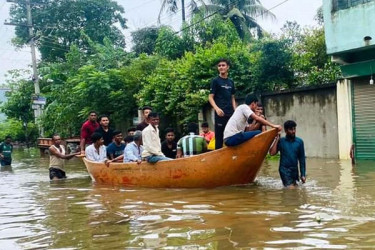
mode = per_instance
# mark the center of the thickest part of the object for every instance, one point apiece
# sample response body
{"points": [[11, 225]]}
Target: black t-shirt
{"points": [[169, 152], [223, 89], [141, 126], [107, 136]]}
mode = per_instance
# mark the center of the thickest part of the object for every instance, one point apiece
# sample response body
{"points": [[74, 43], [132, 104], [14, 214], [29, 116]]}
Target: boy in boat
{"points": [[57, 159], [87, 129], [191, 144], [234, 131], [206, 132], [151, 141], [97, 151], [292, 151], [221, 98], [115, 150], [146, 110], [105, 130], [6, 149], [253, 124], [169, 146], [133, 151]]}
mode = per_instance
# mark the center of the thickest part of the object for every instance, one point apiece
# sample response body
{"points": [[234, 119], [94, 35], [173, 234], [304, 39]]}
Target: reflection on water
{"points": [[334, 209]]}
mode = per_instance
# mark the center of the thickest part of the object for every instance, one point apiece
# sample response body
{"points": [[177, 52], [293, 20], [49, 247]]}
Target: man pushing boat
{"points": [[234, 133]]}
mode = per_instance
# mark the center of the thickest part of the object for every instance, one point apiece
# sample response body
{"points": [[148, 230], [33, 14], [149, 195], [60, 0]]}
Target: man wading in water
{"points": [[57, 159]]}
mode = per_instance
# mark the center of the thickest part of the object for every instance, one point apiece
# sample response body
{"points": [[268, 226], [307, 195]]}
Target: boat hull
{"points": [[227, 166]]}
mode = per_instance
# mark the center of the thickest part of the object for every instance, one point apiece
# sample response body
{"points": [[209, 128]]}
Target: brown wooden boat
{"points": [[223, 167]]}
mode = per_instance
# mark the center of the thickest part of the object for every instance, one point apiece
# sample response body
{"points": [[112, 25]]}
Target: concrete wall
{"points": [[315, 112], [344, 118], [345, 29]]}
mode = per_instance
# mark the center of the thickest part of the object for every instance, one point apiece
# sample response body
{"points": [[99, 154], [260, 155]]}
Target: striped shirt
{"points": [[192, 145]]}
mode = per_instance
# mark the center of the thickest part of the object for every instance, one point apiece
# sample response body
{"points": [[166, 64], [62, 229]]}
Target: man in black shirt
{"points": [[146, 111], [221, 98], [105, 130], [169, 146]]}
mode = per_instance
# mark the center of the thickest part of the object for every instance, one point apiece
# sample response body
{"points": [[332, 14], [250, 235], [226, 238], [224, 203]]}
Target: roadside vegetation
{"points": [[84, 65]]}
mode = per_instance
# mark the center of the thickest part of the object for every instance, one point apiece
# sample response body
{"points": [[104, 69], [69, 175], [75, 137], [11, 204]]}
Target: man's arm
{"points": [[302, 162], [148, 143], [273, 150], [265, 122], [234, 104], [57, 153], [218, 110], [129, 154], [82, 143], [179, 153]]}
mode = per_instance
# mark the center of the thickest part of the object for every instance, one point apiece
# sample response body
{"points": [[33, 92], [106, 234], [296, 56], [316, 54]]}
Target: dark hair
{"points": [[116, 132], [289, 124], [8, 137], [168, 130], [260, 105], [250, 99], [55, 135], [129, 138], [102, 116], [96, 137], [93, 111], [204, 125], [153, 114], [131, 129], [192, 127], [146, 107], [223, 60]]}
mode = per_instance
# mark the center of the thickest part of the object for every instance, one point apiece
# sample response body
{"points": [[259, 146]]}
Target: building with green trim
{"points": [[350, 39]]}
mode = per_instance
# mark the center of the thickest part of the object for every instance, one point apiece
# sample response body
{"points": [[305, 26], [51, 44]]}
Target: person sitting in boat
{"points": [[255, 125], [115, 150], [191, 144], [151, 142], [97, 151], [169, 146], [207, 133], [57, 159], [133, 151], [234, 131]]}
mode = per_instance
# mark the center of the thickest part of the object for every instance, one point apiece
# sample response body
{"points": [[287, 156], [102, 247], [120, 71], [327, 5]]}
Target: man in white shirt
{"points": [[234, 130], [133, 151], [97, 151], [151, 141]]}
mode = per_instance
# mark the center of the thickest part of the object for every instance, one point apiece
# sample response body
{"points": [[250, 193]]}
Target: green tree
{"points": [[59, 24], [18, 104], [144, 40], [242, 13]]}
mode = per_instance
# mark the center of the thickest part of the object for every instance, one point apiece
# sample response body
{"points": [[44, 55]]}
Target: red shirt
{"points": [[87, 130], [208, 136]]}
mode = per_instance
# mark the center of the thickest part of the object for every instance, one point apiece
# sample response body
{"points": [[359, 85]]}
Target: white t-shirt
{"points": [[238, 121], [93, 155]]}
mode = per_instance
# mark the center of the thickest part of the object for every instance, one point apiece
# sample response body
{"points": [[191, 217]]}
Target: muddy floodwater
{"points": [[334, 209]]}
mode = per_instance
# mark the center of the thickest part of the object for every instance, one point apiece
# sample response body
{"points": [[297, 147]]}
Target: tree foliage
{"points": [[60, 24]]}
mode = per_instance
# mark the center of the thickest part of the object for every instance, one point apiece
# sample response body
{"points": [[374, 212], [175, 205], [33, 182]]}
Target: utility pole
{"points": [[38, 102]]}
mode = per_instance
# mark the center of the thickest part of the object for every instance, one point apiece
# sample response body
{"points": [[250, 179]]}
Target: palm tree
{"points": [[242, 13], [173, 7]]}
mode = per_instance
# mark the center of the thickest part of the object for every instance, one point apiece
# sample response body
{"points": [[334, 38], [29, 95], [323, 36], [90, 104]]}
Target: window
{"points": [[345, 4]]}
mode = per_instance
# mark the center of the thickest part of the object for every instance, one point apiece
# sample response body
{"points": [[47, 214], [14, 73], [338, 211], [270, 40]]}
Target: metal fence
{"points": [[345, 4]]}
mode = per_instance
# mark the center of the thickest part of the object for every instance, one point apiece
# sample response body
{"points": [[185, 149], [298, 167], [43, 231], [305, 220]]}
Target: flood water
{"points": [[334, 209]]}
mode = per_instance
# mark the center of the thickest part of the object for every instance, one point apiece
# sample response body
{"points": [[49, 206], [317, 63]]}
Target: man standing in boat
{"points": [[57, 159], [234, 131], [146, 110], [221, 98], [151, 141], [292, 151], [105, 130], [87, 130]]}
